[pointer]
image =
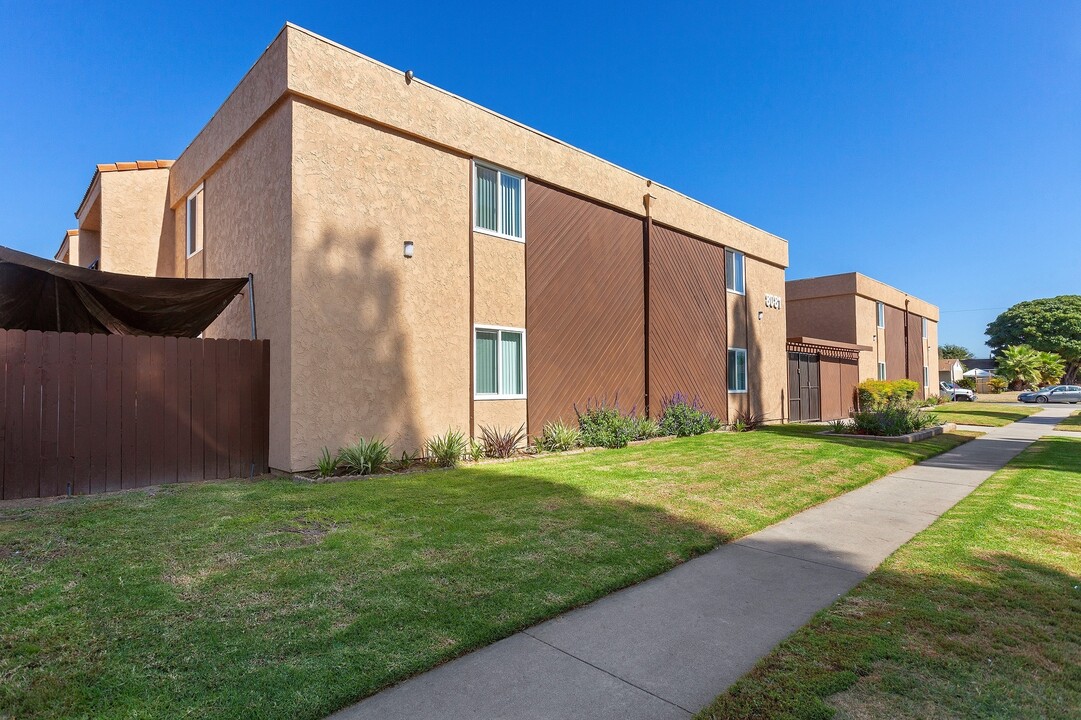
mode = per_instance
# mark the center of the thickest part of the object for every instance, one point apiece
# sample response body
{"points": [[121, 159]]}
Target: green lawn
{"points": [[1071, 423], [278, 599], [979, 616], [989, 414]]}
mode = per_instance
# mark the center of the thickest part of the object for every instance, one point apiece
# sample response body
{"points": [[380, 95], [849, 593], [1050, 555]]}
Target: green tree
{"points": [[1049, 325], [1021, 365], [953, 352]]}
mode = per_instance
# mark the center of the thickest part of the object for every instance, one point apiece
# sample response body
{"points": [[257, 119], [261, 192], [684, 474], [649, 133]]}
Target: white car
{"points": [[955, 392]]}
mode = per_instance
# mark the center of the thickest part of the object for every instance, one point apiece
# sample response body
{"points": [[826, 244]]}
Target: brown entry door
{"points": [[804, 391]]}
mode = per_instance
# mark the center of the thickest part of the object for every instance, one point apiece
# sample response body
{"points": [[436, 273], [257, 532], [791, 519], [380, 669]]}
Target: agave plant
{"points": [[447, 450], [557, 436]]}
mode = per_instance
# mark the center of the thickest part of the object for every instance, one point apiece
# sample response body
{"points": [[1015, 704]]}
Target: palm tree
{"points": [[1021, 365], [1052, 367]]}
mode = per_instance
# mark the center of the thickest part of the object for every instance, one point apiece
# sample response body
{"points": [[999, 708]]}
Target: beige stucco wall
{"points": [[381, 342], [499, 300], [247, 229], [136, 223], [767, 379], [931, 357], [88, 249], [867, 333]]}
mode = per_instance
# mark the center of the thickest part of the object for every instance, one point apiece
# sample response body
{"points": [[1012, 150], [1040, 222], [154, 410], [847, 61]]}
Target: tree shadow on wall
{"points": [[352, 369]]}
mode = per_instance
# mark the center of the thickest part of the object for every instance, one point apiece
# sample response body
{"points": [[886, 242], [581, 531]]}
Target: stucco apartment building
{"points": [[422, 263], [898, 333]]}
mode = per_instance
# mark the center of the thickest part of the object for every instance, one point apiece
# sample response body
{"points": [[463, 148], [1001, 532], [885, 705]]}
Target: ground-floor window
{"points": [[499, 363], [737, 370], [882, 371]]}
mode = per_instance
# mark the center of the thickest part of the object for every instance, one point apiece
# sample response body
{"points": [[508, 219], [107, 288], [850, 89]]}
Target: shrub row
{"points": [[873, 393]]}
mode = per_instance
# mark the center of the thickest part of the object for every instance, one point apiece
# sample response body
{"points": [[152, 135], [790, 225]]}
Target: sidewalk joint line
{"points": [[610, 674]]}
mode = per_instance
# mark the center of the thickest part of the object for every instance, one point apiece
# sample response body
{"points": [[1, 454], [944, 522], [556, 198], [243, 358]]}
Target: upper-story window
{"points": [[498, 202], [194, 221], [881, 311], [923, 325], [733, 271]]}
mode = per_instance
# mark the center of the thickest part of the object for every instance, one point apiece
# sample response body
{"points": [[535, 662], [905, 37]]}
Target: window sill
{"points": [[501, 236], [736, 292], [737, 392], [499, 397]]}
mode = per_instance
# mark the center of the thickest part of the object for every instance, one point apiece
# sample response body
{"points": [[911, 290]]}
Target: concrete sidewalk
{"points": [[666, 647]]}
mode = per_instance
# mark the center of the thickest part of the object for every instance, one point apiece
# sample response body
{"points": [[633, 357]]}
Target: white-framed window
{"points": [[733, 271], [737, 370], [926, 375], [880, 310], [498, 202], [498, 363], [882, 371], [194, 221], [923, 327]]}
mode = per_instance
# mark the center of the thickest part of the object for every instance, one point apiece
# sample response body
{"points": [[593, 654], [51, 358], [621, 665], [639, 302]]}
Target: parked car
{"points": [[956, 393], [1053, 393]]}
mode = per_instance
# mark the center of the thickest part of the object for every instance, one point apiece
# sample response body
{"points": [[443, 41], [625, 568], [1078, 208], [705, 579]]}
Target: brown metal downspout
{"points": [[647, 228], [908, 348]]}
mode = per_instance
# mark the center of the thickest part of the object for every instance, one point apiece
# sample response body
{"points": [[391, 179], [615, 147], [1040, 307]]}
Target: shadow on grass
{"points": [[1001, 642]]}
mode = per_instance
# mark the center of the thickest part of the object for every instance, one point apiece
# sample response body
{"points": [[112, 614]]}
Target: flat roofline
{"points": [[522, 125], [855, 277]]}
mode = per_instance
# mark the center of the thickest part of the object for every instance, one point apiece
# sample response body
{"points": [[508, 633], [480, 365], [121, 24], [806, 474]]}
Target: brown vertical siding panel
{"points": [[210, 408], [238, 463], [27, 485], [155, 409], [895, 343], [84, 387], [145, 409], [114, 382], [850, 378], [917, 353], [183, 410], [99, 471], [198, 430], [584, 309], [14, 346], [688, 334], [224, 400], [264, 406], [830, 379], [3, 406], [65, 400], [168, 407], [50, 419], [247, 352], [130, 374]]}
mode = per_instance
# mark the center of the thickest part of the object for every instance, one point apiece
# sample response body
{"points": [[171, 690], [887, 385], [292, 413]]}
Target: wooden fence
{"points": [[84, 413]]}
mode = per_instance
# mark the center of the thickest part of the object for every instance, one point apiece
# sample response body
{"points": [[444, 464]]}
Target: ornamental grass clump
{"points": [[447, 450], [365, 457], [682, 418], [557, 436], [326, 464]]}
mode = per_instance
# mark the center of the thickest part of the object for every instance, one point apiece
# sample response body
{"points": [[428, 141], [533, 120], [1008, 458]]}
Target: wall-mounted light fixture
{"points": [[760, 314], [407, 248]]}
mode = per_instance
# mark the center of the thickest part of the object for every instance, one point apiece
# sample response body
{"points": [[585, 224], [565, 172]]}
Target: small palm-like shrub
{"points": [[841, 427], [681, 417], [603, 425], [557, 436], [476, 450], [447, 450], [997, 384], [501, 443], [326, 464], [365, 457]]}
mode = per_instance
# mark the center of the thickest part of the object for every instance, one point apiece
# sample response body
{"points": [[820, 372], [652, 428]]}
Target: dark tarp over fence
{"points": [[39, 294]]}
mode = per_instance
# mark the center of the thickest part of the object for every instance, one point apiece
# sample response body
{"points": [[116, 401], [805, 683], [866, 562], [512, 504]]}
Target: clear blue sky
{"points": [[934, 146]]}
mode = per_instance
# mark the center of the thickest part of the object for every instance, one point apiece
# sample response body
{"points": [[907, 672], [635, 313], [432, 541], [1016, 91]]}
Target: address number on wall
{"points": [[773, 301]]}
